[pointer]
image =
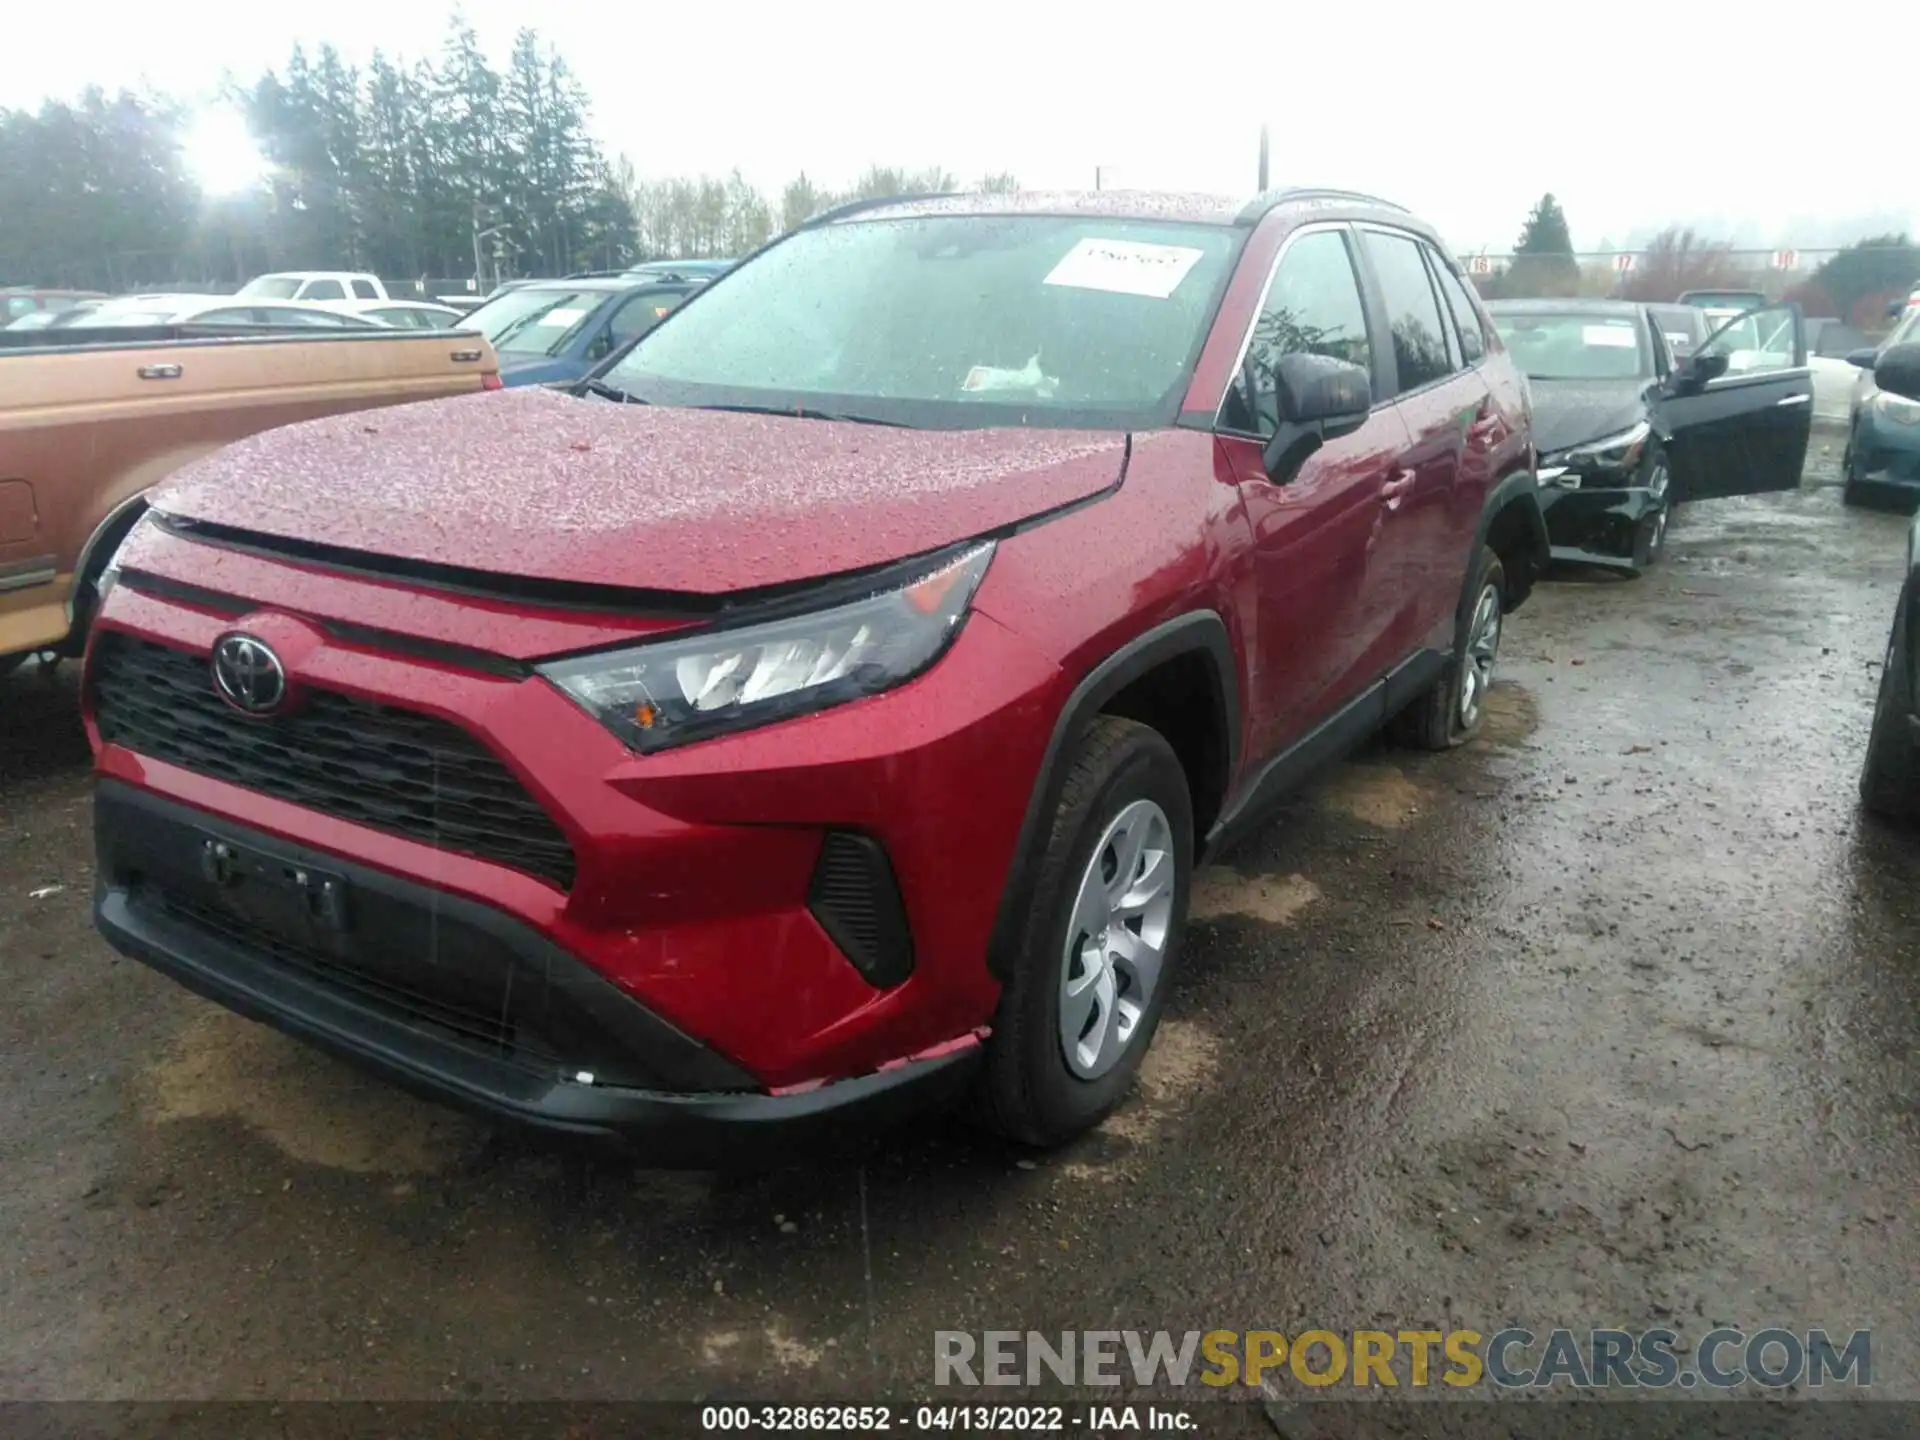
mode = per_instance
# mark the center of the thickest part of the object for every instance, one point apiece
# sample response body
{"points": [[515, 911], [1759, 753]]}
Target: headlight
{"points": [[1897, 408], [675, 691], [1619, 455]]}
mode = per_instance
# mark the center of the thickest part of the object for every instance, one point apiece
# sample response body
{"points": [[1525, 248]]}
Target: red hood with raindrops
{"points": [[533, 482]]}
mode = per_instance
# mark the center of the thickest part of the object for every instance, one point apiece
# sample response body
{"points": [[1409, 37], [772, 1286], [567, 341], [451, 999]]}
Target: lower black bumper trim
{"points": [[668, 1127]]}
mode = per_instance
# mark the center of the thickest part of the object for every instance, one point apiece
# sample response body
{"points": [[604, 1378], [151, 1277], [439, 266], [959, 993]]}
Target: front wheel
{"points": [[1451, 712], [1100, 941]]}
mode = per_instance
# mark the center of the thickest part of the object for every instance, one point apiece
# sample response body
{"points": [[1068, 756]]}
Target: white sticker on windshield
{"points": [[1125, 267], [1621, 337], [562, 317]]}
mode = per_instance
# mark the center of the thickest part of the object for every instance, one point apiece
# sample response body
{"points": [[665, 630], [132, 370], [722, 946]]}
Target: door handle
{"points": [[1395, 490], [158, 372], [1795, 400]]}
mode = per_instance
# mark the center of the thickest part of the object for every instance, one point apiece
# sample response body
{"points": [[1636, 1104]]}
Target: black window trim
{"points": [[1361, 277], [1380, 317], [1442, 267]]}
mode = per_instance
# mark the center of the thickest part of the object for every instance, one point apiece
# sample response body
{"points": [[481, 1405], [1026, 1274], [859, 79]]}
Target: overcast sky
{"points": [[1633, 113]]}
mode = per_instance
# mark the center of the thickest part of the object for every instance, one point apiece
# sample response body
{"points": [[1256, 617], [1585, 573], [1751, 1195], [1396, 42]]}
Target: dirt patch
{"points": [[1184, 1058], [309, 1106], [790, 1353], [1510, 715], [1376, 795], [1275, 899]]}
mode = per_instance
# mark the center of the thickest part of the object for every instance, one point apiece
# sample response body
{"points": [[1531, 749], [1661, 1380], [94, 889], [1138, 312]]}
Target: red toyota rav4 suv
{"points": [[824, 708]]}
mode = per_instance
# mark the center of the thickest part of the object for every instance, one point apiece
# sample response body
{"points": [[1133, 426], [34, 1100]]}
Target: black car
{"points": [[1625, 430], [1890, 779]]}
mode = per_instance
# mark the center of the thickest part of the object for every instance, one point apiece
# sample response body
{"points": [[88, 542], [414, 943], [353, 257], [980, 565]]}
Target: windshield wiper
{"points": [[610, 392], [801, 412]]}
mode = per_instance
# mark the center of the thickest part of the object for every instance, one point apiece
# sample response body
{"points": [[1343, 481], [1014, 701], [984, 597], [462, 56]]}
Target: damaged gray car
{"points": [[1626, 430]]}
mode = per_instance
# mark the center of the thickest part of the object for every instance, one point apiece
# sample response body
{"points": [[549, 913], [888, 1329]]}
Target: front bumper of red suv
{"points": [[589, 941]]}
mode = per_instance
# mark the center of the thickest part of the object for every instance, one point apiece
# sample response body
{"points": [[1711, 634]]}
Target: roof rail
{"points": [[594, 275], [1268, 199], [877, 202]]}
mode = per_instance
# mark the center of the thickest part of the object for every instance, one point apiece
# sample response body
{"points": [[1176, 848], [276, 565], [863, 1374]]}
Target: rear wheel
{"points": [[11, 663], [1450, 713], [1890, 777], [1100, 942]]}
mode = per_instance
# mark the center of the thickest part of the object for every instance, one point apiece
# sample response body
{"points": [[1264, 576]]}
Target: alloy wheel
{"points": [[1483, 648]]}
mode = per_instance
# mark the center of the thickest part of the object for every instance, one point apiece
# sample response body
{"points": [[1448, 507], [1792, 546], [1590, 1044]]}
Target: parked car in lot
{"points": [[1723, 305], [1882, 458], [315, 285], [682, 269], [402, 314], [47, 319], [554, 331], [824, 708], [18, 303], [1684, 327], [90, 421], [1626, 431], [220, 310], [1890, 776]]}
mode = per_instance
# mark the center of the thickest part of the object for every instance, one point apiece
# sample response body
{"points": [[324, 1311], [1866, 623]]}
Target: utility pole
{"points": [[1096, 177], [1263, 159]]}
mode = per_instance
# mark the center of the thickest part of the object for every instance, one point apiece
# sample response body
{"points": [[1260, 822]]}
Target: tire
{"points": [[1032, 1089], [1650, 540], [1448, 714], [11, 663], [1890, 776]]}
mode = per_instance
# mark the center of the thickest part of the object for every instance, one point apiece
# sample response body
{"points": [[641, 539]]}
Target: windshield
{"points": [[272, 287], [1575, 346], [951, 321], [534, 321]]}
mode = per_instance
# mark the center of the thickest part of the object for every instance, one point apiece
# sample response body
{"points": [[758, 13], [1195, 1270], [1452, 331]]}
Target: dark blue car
{"points": [[555, 331]]}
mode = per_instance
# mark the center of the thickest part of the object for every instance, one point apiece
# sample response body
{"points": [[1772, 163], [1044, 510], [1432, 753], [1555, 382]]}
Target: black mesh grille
{"points": [[857, 902], [390, 769]]}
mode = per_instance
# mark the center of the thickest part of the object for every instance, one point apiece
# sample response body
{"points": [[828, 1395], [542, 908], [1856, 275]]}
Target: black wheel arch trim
{"points": [[1521, 488], [1200, 632]]}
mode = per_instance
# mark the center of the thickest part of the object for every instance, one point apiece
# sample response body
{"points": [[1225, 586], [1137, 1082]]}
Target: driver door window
{"points": [[1312, 307]]}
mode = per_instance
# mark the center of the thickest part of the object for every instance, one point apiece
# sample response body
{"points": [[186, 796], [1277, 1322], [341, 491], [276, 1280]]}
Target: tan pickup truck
{"points": [[87, 428]]}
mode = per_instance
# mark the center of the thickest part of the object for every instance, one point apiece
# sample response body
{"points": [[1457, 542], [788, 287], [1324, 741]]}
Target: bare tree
{"points": [[1678, 260]]}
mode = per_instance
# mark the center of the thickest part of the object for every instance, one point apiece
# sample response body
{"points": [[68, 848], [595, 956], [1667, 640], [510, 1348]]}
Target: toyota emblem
{"points": [[248, 675]]}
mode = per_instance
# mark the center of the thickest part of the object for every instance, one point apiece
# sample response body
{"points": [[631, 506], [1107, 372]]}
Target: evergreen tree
{"points": [[1543, 262]]}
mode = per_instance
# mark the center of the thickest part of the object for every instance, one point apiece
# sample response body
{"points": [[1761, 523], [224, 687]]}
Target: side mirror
{"points": [[1863, 358], [1894, 307], [1898, 371], [1321, 399], [1699, 372]]}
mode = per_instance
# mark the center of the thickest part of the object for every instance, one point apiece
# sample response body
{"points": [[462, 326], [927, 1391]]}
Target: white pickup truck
{"points": [[315, 285]]}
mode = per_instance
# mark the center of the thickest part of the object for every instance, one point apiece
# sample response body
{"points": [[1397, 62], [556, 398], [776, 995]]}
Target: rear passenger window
{"points": [[1413, 314], [1473, 340], [363, 290], [1312, 307], [323, 290]]}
